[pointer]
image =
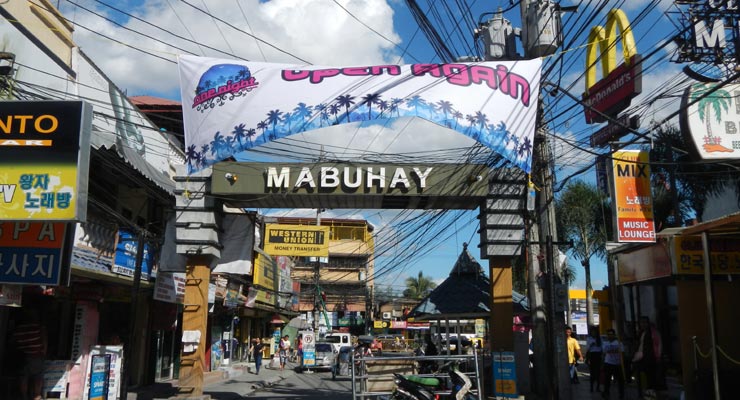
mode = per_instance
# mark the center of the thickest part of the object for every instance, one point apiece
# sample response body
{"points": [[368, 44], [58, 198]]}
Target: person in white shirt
{"points": [[284, 350], [613, 351]]}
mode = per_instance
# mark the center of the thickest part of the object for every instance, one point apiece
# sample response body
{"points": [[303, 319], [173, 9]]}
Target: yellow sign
{"points": [[297, 240], [633, 197], [44, 160], [603, 100], [724, 255], [606, 40], [38, 191]]}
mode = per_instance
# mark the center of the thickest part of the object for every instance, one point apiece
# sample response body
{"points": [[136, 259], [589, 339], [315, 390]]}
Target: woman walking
{"points": [[594, 355]]}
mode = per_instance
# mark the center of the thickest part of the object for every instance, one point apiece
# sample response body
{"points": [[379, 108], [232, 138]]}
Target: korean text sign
{"points": [[632, 196], [44, 157], [31, 252]]}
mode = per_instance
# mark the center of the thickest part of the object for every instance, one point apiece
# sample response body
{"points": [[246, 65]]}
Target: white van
{"points": [[338, 339]]}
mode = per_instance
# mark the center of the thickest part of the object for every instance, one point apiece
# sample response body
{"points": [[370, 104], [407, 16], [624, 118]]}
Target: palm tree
{"points": [[287, 119], [382, 106], [581, 220], [239, 133], [323, 111], [481, 119], [525, 148], [458, 116], [346, 101], [263, 126], [218, 145], [395, 102], [368, 100], [717, 100], [471, 120], [419, 287], [273, 117], [251, 132], [446, 107], [202, 156], [191, 155], [334, 110], [303, 112], [416, 101]]}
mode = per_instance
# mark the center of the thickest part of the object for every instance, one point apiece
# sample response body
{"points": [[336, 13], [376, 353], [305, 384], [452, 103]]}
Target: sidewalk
{"points": [[237, 381], [582, 389]]}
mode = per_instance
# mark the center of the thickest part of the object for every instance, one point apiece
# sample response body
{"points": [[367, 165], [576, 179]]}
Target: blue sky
{"points": [[356, 32]]}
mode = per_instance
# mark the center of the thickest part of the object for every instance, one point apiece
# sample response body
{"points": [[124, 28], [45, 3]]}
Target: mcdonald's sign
{"points": [[619, 84]]}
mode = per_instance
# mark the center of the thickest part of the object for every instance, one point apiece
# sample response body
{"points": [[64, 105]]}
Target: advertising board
{"points": [[31, 252], [633, 200], [44, 157]]}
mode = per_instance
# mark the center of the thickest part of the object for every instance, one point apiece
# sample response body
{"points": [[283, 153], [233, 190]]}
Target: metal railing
{"points": [[368, 369]]}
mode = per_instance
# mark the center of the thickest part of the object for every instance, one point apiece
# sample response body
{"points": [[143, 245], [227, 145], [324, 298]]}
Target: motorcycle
{"points": [[414, 387]]}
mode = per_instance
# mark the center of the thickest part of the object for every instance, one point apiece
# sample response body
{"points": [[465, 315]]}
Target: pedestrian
{"points": [[574, 354], [646, 357], [299, 346], [256, 350], [613, 350], [594, 356], [283, 351], [30, 339]]}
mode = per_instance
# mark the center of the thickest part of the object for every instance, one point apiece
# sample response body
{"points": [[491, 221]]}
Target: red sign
{"points": [[613, 93]]}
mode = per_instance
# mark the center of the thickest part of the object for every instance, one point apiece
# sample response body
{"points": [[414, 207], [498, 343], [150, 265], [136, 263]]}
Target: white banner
{"points": [[231, 105]]}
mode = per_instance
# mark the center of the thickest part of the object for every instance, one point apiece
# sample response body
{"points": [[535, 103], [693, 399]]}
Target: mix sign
{"points": [[44, 157], [632, 196]]}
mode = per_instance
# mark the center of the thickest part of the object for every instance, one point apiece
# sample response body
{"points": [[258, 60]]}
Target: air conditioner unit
{"points": [[386, 315]]}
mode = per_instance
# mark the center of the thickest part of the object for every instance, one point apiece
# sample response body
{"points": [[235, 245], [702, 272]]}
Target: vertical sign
{"points": [[504, 374], [99, 367], [124, 262], [44, 157], [309, 348], [632, 196]]}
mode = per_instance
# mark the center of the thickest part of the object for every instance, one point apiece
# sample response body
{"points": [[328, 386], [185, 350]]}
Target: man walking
{"points": [[613, 351], [574, 354]]}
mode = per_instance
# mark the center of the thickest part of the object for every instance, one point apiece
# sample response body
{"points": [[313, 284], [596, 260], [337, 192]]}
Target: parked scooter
{"points": [[413, 387]]}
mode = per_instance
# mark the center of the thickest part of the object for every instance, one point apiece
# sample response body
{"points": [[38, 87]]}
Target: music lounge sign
{"points": [[633, 200]]}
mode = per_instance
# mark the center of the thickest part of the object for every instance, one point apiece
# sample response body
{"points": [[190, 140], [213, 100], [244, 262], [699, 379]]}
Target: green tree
{"points": [[580, 216], [419, 287]]}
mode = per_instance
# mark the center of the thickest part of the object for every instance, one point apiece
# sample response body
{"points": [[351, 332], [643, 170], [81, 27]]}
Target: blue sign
{"points": [[504, 374], [124, 263], [99, 368], [31, 252]]}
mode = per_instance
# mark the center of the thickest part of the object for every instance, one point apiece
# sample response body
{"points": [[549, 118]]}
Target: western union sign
{"points": [[297, 240]]}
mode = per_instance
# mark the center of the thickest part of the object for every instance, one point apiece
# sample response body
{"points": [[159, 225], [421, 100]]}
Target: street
{"points": [[307, 387]]}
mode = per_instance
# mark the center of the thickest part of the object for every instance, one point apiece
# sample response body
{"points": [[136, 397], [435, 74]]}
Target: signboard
{"points": [[44, 157], [398, 324], [417, 325], [643, 264], [124, 262], [614, 130], [480, 327], [381, 324], [504, 374], [298, 180], [296, 240], [99, 366], [56, 377], [618, 85], [170, 287], [11, 295], [712, 122], [309, 348], [112, 357], [633, 200], [31, 252], [216, 93], [724, 255]]}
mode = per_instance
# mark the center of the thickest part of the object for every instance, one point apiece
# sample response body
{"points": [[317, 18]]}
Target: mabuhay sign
{"points": [[44, 157], [619, 84], [351, 179]]}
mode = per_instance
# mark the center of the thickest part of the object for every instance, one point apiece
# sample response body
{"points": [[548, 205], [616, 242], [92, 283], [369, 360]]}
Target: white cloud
{"points": [[317, 31]]}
